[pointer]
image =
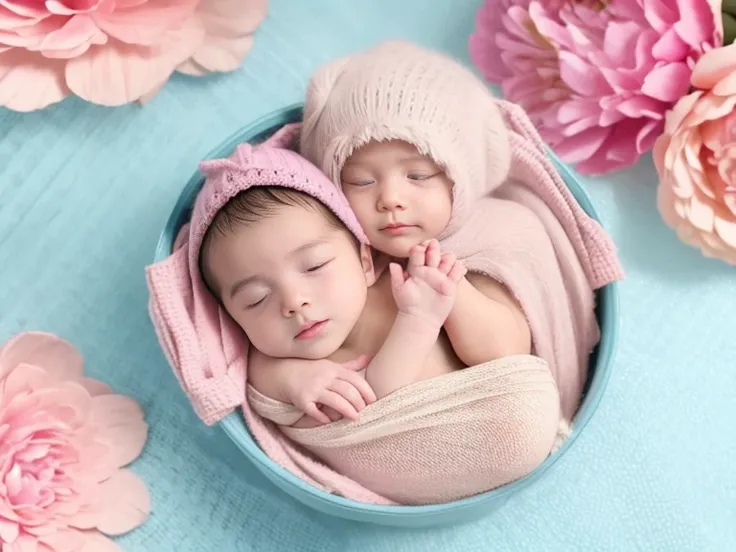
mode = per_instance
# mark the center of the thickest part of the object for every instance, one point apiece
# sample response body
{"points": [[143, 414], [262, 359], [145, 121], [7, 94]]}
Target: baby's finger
{"points": [[339, 403], [447, 262], [457, 273], [349, 393], [397, 276], [416, 255], [363, 387], [433, 254], [436, 280], [331, 413], [312, 410]]}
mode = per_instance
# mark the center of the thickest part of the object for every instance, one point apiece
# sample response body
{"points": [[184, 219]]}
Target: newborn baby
{"points": [[302, 286]]}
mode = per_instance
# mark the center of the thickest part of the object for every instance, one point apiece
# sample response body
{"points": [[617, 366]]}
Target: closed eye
{"points": [[317, 267], [254, 305], [366, 182], [414, 176]]}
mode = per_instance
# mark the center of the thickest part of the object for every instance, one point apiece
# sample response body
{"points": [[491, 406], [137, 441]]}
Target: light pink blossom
{"points": [[595, 76], [112, 52], [696, 159], [63, 440]]}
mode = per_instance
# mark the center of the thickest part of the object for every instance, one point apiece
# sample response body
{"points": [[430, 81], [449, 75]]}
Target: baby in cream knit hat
{"points": [[396, 128]]}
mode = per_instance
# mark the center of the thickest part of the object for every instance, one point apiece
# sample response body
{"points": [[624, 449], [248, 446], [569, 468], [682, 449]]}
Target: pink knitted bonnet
{"points": [[206, 349], [399, 90]]}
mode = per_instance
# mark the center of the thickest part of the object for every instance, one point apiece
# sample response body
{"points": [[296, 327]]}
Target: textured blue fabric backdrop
{"points": [[85, 191]]}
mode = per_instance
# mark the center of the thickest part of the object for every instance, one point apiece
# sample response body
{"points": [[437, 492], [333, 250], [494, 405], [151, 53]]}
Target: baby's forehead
{"points": [[387, 151], [294, 228]]}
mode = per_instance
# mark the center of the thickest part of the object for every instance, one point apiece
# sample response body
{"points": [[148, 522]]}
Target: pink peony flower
{"points": [[595, 76], [696, 159], [63, 438], [112, 52]]}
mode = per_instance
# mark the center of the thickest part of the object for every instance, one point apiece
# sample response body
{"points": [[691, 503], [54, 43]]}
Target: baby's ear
{"points": [[366, 259]]}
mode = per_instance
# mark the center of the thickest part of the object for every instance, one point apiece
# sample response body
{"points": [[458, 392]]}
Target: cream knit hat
{"points": [[397, 90]]}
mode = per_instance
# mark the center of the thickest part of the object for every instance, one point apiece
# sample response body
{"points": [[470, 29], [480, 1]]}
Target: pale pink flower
{"points": [[696, 159], [63, 440], [113, 52], [595, 76]]}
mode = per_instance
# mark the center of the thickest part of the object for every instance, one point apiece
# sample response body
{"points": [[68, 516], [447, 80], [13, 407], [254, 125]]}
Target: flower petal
{"points": [[57, 356], [95, 387], [726, 229], [95, 542], [648, 135], [670, 47], [228, 25], [726, 86], [63, 540], [219, 54], [25, 377], [697, 22], [660, 14], [24, 8], [148, 23], [9, 531], [121, 427], [60, 7], [231, 18], [26, 543], [619, 42], [120, 73], [667, 83], [125, 503], [675, 117], [700, 214], [73, 39], [145, 98], [582, 146], [581, 77], [713, 66], [10, 20]]}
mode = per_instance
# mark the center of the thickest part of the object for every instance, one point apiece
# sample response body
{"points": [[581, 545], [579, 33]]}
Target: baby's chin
{"points": [[396, 248]]}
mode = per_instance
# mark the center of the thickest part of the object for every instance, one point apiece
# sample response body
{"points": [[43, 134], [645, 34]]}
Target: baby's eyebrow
{"points": [[309, 245]]}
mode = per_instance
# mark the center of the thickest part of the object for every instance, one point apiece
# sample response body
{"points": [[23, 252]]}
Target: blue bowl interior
{"points": [[460, 511]]}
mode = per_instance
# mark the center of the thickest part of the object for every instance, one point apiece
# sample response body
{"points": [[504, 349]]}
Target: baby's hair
{"points": [[252, 205]]}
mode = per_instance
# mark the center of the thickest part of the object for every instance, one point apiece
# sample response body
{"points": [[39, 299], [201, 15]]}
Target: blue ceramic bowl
{"points": [[402, 516]]}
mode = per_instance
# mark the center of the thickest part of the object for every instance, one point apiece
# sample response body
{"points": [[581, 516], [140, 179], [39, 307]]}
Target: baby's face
{"points": [[400, 197], [293, 282]]}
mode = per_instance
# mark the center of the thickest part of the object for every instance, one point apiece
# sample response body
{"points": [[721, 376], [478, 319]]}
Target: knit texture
{"points": [[397, 90], [444, 438], [204, 346], [513, 217]]}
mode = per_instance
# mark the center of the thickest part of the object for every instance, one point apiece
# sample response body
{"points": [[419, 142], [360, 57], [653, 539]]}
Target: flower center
{"points": [[32, 468]]}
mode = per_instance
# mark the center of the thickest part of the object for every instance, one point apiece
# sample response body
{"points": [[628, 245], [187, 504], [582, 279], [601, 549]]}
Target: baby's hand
{"points": [[426, 290], [337, 387]]}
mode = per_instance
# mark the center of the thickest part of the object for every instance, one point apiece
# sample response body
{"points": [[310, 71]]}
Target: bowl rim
{"points": [[235, 427]]}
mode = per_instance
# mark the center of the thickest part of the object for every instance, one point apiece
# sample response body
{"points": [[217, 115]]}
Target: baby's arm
{"points": [[486, 322], [402, 356], [307, 384], [424, 295]]}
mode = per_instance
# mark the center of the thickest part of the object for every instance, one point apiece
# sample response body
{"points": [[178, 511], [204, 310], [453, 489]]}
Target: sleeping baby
{"points": [[301, 285]]}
